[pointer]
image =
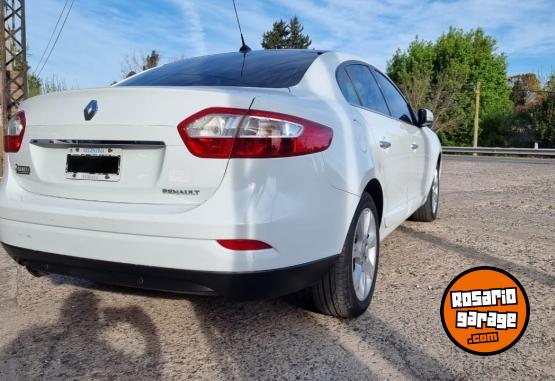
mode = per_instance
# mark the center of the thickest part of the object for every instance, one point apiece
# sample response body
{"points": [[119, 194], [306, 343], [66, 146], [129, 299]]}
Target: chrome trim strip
{"points": [[124, 144]]}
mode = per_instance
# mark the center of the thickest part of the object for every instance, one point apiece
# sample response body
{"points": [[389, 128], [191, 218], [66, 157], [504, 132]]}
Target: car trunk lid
{"points": [[133, 132]]}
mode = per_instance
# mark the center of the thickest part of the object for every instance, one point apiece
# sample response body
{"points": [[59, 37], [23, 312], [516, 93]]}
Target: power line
{"points": [[56, 40], [57, 37], [52, 34]]}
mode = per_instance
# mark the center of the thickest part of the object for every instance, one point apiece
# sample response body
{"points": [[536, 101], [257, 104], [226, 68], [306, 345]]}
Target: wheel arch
{"points": [[374, 188], [438, 163]]}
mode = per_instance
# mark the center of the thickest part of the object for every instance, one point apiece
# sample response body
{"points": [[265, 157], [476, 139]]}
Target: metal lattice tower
{"points": [[13, 57]]}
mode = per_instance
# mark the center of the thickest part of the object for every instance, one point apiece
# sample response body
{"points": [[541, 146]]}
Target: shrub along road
{"points": [[491, 213]]}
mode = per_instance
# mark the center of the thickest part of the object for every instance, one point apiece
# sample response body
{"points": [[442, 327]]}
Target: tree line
{"points": [[441, 75]]}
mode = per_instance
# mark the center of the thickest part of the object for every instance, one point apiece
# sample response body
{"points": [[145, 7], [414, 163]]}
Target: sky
{"points": [[99, 34]]}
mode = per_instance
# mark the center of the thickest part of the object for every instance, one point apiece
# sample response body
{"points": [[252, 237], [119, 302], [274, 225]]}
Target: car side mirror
{"points": [[425, 117]]}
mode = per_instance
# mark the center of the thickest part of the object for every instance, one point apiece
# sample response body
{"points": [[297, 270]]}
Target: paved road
{"points": [[492, 213]]}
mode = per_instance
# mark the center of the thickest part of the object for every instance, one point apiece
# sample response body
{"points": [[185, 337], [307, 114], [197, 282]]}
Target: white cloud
{"points": [[374, 29], [95, 40], [195, 36]]}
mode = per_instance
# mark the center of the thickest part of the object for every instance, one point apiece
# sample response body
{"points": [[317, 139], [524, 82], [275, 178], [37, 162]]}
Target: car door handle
{"points": [[384, 144], [414, 146]]}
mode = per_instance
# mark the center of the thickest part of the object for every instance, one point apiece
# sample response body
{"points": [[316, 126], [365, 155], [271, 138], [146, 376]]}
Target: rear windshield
{"points": [[263, 68]]}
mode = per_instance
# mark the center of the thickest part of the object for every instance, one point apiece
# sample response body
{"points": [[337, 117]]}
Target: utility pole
{"points": [[476, 116], [13, 59]]}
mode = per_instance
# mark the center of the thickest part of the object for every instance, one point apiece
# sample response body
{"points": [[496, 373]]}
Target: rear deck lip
{"points": [[238, 285]]}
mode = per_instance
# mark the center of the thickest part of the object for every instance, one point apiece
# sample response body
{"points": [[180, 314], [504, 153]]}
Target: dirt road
{"points": [[491, 213]]}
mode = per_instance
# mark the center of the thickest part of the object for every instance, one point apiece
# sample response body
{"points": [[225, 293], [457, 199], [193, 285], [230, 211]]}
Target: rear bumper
{"points": [[242, 285], [287, 203]]}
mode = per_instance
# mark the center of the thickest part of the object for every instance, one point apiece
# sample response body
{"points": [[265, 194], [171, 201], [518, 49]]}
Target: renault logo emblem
{"points": [[91, 109]]}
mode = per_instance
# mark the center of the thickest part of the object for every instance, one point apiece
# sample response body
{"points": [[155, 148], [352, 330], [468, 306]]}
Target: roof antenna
{"points": [[244, 47]]}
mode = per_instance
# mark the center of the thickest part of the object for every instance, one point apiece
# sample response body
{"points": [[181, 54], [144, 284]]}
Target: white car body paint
{"points": [[302, 206]]}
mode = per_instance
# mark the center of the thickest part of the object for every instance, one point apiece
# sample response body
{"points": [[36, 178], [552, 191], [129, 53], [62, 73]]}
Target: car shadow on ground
{"points": [[264, 340], [481, 256], [273, 339], [74, 346], [412, 361], [267, 339]]}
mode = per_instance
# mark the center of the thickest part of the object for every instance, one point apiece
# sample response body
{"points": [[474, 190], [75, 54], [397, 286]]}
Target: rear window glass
{"points": [[263, 68]]}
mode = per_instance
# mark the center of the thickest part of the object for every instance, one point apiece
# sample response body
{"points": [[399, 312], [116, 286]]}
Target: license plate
{"points": [[97, 164]]}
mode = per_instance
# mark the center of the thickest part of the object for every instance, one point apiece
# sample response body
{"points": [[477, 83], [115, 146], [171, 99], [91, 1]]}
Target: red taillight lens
{"points": [[210, 133], [243, 244], [13, 132], [235, 133]]}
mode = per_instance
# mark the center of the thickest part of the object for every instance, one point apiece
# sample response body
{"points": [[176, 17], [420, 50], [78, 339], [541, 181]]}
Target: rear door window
{"points": [[347, 87], [366, 87]]}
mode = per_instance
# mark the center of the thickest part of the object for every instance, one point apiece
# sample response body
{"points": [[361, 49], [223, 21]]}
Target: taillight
{"points": [[236, 133], [13, 132], [243, 244]]}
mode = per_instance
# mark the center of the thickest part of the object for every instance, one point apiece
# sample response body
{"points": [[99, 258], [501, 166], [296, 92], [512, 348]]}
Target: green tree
{"points": [[34, 84], [53, 85], [38, 86], [298, 40], [543, 116], [525, 88], [441, 75], [550, 85], [133, 64], [285, 35], [518, 93], [151, 60], [545, 128], [277, 37]]}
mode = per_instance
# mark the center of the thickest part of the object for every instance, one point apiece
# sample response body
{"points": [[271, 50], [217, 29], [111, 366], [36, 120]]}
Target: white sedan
{"points": [[245, 175]]}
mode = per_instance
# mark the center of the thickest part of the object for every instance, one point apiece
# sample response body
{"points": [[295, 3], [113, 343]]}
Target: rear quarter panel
{"points": [[349, 161], [432, 155]]}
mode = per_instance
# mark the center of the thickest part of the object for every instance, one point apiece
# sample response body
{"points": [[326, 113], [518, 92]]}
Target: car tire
{"points": [[336, 294], [428, 211]]}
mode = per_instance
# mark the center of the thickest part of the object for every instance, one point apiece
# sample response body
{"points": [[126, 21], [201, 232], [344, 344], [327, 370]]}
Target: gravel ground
{"points": [[491, 213]]}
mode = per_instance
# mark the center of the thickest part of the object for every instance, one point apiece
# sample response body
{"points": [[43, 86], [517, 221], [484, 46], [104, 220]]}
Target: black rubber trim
{"points": [[240, 285]]}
